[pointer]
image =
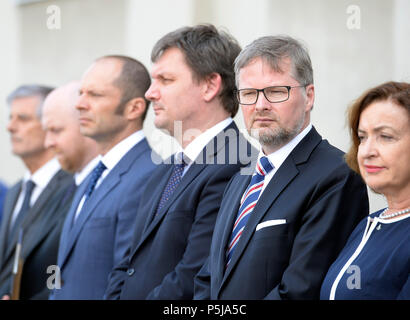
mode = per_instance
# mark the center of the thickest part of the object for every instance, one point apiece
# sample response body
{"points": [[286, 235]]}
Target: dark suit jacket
{"points": [[321, 200], [168, 249], [98, 239], [3, 191], [41, 232]]}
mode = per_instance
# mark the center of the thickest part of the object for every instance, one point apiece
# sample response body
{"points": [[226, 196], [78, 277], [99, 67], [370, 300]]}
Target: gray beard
{"points": [[277, 137]]}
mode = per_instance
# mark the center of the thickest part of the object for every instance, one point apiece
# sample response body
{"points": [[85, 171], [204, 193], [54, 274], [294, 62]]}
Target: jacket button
{"points": [[130, 271]]}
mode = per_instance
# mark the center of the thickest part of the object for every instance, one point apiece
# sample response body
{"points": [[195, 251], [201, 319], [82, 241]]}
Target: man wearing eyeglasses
{"points": [[278, 231]]}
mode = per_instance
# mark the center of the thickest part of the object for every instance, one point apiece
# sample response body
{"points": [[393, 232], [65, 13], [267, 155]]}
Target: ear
{"points": [[212, 86], [135, 108], [310, 96]]}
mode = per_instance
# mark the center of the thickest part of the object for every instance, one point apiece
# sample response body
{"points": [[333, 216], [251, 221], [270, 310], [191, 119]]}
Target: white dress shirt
{"points": [[80, 176], [111, 158], [195, 147], [41, 178], [279, 156]]}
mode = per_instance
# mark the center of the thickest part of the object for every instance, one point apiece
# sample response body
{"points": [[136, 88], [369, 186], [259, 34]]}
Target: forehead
{"points": [[258, 70], [54, 112], [386, 113], [172, 61], [101, 74], [27, 105]]}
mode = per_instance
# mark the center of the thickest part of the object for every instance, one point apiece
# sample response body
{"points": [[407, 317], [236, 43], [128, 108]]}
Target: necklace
{"points": [[394, 214]]}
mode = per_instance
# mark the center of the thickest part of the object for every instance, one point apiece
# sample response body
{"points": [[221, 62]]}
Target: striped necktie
{"points": [[248, 202]]}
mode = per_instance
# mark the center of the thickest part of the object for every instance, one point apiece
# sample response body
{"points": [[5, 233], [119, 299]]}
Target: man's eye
{"points": [[166, 80], [386, 137]]}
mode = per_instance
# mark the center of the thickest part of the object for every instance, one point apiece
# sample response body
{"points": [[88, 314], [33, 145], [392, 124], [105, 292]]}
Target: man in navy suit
{"points": [[278, 231], [97, 229], [3, 191], [192, 89]]}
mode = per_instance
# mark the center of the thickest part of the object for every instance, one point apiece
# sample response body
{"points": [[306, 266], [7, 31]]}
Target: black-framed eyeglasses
{"points": [[272, 94]]}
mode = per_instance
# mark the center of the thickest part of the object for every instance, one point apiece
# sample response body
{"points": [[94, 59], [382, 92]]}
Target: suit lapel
{"points": [[37, 208], [39, 230], [68, 222], [208, 155], [229, 219], [109, 183], [164, 175], [286, 173], [190, 175], [9, 205]]}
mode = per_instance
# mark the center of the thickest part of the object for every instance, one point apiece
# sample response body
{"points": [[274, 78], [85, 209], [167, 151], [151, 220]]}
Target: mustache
{"points": [[267, 115]]}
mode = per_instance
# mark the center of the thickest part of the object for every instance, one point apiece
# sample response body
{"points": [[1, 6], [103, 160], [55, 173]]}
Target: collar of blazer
{"points": [[9, 204], [285, 174], [216, 151], [50, 219], [70, 233], [60, 179]]}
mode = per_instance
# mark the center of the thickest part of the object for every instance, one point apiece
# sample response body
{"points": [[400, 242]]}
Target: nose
{"points": [[49, 141], [261, 102], [152, 93], [368, 148], [82, 103], [11, 125]]}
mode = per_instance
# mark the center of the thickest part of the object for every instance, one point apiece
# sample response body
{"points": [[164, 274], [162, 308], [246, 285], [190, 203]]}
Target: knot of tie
{"points": [[95, 175], [29, 187], [263, 166]]}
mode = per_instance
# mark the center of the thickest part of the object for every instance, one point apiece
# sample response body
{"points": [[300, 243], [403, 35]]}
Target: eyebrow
{"points": [[379, 128]]}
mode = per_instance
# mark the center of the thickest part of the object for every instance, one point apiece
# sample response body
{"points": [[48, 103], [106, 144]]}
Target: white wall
{"points": [[346, 61]]}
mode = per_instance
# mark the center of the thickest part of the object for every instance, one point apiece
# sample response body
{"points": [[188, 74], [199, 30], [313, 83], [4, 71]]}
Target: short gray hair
{"points": [[273, 49], [30, 90]]}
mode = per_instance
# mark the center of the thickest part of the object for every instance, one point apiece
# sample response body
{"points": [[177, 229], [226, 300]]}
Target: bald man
{"points": [[76, 153]]}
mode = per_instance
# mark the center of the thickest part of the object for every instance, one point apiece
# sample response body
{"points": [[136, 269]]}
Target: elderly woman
{"points": [[375, 263]]}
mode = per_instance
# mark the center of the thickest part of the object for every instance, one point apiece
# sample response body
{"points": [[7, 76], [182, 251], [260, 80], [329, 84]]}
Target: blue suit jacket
{"points": [[98, 239], [3, 191], [169, 249], [320, 199]]}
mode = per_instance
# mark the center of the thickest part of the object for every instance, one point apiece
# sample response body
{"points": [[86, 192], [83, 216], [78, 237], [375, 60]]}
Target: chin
{"points": [[374, 186]]}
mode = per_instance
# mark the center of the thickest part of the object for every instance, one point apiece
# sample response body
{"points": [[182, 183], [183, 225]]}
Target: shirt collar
{"points": [[279, 156], [112, 157], [43, 175], [194, 148], [80, 176]]}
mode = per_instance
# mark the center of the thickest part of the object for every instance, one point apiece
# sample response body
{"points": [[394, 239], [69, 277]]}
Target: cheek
{"points": [[247, 115], [37, 136]]}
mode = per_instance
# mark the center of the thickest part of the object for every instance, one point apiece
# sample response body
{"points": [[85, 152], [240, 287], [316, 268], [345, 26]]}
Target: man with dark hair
{"points": [[29, 202], [192, 95], [97, 229], [278, 232]]}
